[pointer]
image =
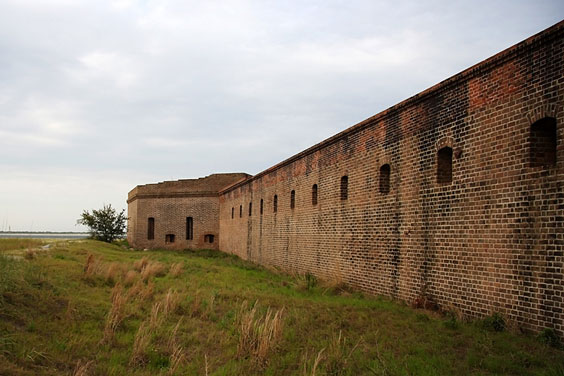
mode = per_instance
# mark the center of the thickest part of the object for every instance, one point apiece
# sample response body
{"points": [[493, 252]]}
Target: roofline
{"points": [[545, 36], [173, 195]]}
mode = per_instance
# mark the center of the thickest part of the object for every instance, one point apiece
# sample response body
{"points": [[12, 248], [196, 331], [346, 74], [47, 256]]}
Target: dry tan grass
{"points": [[70, 312], [170, 303], [29, 254], [112, 272], [153, 269], [130, 278], [156, 317], [176, 269], [148, 291], [140, 345], [173, 339], [176, 359], [135, 290], [82, 368], [141, 291], [315, 364], [92, 267], [258, 335], [89, 262], [139, 265], [339, 353], [116, 314], [196, 307]]}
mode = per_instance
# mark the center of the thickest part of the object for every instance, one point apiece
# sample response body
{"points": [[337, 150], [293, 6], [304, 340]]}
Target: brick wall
{"points": [[170, 219], [488, 239], [170, 204]]}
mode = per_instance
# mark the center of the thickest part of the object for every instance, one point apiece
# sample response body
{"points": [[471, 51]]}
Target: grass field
{"points": [[90, 308]]}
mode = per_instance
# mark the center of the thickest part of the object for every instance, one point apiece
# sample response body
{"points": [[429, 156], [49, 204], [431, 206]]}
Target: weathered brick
{"points": [[483, 237]]}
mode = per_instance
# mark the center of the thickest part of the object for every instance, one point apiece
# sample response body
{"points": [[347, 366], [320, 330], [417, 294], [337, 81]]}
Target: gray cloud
{"points": [[99, 96]]}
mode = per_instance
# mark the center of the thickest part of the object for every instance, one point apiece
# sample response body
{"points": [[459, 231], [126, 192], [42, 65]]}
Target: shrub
{"points": [[494, 323], [311, 281], [548, 336], [104, 224], [450, 322]]}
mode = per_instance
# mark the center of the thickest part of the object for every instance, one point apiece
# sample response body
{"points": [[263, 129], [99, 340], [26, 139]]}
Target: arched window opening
{"points": [[314, 195], [209, 238], [275, 203], [543, 142], [292, 199], [250, 209], [169, 238], [189, 228], [444, 165], [261, 206], [344, 188], [151, 228], [385, 171], [240, 211]]}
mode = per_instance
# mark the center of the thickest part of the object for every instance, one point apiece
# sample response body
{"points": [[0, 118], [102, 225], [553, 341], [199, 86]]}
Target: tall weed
{"points": [[258, 334], [116, 314]]}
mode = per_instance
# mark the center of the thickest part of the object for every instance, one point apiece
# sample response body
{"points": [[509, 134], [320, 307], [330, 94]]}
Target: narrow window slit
{"points": [[151, 228], [344, 188], [444, 165], [292, 199], [385, 171], [314, 195], [543, 143], [189, 228]]}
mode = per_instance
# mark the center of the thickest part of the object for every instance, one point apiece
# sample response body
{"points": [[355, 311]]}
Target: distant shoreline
{"points": [[44, 234]]}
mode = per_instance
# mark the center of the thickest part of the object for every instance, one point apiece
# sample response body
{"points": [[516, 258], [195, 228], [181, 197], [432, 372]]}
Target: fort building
{"points": [[177, 214], [453, 197]]}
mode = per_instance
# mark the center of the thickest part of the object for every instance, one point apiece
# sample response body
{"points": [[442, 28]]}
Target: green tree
{"points": [[105, 224]]}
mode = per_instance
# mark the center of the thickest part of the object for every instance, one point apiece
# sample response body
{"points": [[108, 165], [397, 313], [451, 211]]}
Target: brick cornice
{"points": [[172, 195]]}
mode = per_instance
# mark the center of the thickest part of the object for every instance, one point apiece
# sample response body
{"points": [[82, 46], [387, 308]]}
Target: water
{"points": [[44, 235]]}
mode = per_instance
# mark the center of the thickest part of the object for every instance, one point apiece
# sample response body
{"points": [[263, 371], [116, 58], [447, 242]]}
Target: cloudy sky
{"points": [[99, 96]]}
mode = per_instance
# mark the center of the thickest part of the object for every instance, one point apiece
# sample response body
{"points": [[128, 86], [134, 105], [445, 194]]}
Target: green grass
{"points": [[19, 244], [52, 316]]}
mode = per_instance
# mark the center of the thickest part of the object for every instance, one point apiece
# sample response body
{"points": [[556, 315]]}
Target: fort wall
{"points": [[453, 197], [177, 214]]}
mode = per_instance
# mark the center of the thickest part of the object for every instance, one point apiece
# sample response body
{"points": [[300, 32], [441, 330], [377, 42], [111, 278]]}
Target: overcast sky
{"points": [[99, 96]]}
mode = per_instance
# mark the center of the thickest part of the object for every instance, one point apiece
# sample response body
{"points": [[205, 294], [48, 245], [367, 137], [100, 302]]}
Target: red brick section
{"points": [[486, 238], [170, 203]]}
